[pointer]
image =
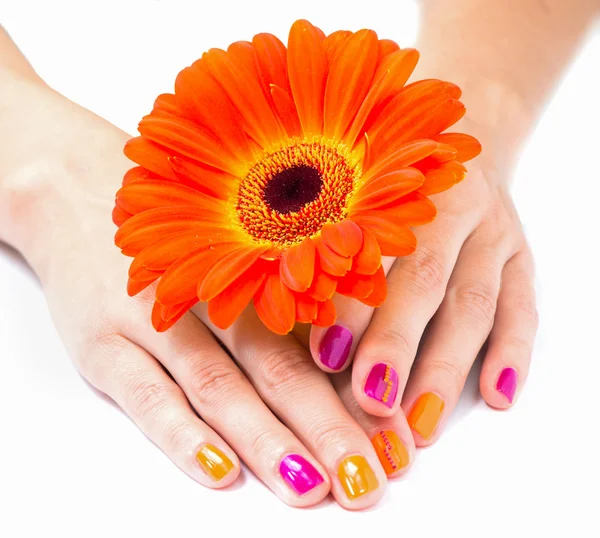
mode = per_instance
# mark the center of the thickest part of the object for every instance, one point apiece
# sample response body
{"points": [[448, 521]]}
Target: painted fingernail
{"points": [[335, 347], [214, 462], [299, 473], [391, 451], [425, 414], [357, 477], [382, 384], [507, 383]]}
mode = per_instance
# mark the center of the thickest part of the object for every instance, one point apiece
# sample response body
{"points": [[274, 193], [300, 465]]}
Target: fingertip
{"points": [[330, 347], [216, 467], [499, 386]]}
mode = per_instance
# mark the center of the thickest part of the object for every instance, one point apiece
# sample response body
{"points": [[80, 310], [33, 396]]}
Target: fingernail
{"points": [[507, 383], [391, 451], [214, 462], [382, 384], [357, 477], [299, 473], [335, 347], [425, 414]]}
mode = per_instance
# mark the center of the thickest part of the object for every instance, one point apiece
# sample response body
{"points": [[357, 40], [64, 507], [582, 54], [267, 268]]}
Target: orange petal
{"points": [[399, 65], [245, 92], [331, 261], [348, 82], [468, 147], [344, 237], [298, 265], [286, 111], [414, 209], [174, 313], [334, 42], [323, 286], [275, 305], [326, 314], [379, 293], [119, 215], [306, 308], [442, 178], [386, 189], [149, 155], [226, 307], [136, 286], [151, 193], [204, 178], [368, 260], [202, 100], [401, 157], [227, 270], [385, 47], [159, 255], [138, 173], [271, 56], [394, 238], [188, 139], [167, 103], [307, 68], [356, 285], [181, 280]]}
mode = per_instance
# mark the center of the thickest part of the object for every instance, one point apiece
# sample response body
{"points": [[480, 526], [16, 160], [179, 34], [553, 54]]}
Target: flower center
{"points": [[291, 193]]}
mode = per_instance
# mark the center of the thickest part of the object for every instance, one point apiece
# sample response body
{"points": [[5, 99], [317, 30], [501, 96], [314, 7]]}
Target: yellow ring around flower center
{"points": [[291, 193]]}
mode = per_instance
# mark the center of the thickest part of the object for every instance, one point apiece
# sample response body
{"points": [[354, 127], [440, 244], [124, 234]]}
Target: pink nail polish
{"points": [[382, 384], [335, 347], [299, 473], [507, 383]]}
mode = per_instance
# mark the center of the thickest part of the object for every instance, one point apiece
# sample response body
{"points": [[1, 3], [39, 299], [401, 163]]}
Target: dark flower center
{"points": [[291, 189]]}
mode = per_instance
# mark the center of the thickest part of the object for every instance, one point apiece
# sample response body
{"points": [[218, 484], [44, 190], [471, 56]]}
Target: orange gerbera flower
{"points": [[281, 176]]}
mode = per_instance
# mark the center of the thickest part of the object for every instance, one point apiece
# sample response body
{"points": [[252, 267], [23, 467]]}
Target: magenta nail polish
{"points": [[299, 473], [335, 347], [382, 384], [507, 383]]}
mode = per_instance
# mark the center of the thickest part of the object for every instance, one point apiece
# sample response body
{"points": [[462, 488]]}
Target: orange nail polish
{"points": [[357, 477], [391, 451], [214, 462], [426, 414]]}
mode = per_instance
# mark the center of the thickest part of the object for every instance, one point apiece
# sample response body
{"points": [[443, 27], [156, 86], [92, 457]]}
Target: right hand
{"points": [[274, 402]]}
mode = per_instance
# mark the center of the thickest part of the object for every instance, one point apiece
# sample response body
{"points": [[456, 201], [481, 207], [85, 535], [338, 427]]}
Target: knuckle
{"points": [[147, 398], [262, 441], [450, 369], [395, 338], [525, 306], [425, 272], [214, 381], [92, 352], [177, 434], [518, 346], [280, 368], [331, 432], [476, 301]]}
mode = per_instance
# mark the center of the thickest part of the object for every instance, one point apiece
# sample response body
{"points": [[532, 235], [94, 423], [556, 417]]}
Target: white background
{"points": [[71, 464]]}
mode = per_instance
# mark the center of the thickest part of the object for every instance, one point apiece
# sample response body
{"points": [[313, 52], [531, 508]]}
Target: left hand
{"points": [[470, 280]]}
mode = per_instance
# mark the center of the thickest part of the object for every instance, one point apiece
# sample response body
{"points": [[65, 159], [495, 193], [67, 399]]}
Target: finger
{"points": [[390, 436], [226, 400], [454, 338], [139, 385], [334, 347], [302, 396], [506, 362], [416, 286]]}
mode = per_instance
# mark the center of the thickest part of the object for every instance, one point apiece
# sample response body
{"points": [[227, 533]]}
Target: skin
{"points": [[472, 270]]}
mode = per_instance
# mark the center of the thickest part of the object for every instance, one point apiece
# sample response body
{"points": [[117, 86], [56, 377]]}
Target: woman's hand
{"points": [[470, 281], [271, 406]]}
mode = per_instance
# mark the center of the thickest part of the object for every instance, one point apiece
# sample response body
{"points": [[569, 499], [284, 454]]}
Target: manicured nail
{"points": [[382, 384], [299, 473], [426, 414], [335, 347], [507, 383], [391, 451], [214, 462], [357, 477]]}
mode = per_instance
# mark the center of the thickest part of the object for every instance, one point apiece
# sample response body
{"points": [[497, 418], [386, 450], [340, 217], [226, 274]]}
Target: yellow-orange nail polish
{"points": [[357, 477], [214, 462], [391, 451], [426, 414]]}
